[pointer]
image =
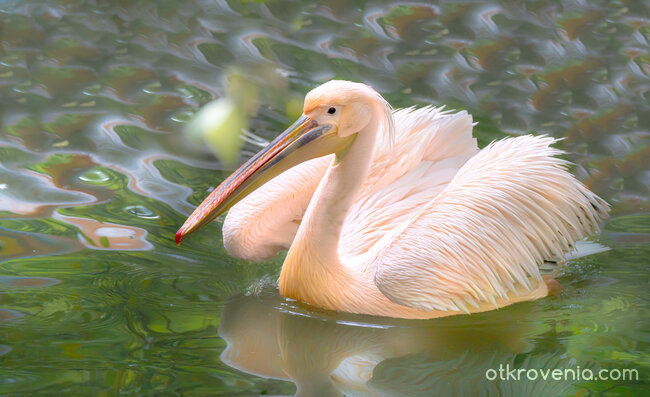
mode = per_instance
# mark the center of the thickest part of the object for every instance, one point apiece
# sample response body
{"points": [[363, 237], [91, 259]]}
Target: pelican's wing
{"points": [[431, 145], [267, 220], [507, 209]]}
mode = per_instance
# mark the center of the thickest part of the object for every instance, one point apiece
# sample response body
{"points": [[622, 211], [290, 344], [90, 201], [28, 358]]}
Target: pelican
{"points": [[397, 213]]}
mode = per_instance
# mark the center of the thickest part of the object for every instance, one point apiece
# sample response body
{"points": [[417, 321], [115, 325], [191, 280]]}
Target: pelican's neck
{"points": [[334, 196], [313, 257]]}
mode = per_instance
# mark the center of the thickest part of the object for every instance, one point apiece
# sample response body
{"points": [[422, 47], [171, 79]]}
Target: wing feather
{"points": [[432, 145], [267, 220], [508, 208]]}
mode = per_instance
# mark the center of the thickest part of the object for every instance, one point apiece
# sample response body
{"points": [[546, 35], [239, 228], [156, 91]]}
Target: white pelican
{"points": [[398, 213]]}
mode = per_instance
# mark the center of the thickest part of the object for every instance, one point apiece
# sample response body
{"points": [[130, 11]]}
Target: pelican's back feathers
{"points": [[509, 208], [431, 145]]}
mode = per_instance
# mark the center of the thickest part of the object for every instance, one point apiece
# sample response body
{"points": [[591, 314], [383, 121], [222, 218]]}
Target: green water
{"points": [[96, 177]]}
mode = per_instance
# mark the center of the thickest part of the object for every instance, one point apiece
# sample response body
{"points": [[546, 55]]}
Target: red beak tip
{"points": [[179, 236]]}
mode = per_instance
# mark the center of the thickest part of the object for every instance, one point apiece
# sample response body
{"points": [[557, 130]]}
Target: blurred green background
{"points": [[96, 175]]}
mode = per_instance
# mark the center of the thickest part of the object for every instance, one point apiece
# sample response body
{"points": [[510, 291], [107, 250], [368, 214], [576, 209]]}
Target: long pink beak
{"points": [[303, 140]]}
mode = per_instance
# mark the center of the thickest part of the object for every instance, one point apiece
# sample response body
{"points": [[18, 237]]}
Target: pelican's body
{"points": [[407, 218]]}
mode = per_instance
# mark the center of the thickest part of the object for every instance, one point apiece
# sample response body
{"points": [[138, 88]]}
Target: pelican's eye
{"points": [[331, 110]]}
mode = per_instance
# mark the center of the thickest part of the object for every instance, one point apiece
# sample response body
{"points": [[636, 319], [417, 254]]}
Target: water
{"points": [[95, 178]]}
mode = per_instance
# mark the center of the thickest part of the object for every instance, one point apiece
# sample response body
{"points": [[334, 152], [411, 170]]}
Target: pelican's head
{"points": [[349, 107], [333, 115]]}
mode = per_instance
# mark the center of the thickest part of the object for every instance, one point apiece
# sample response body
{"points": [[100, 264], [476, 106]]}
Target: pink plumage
{"points": [[412, 220]]}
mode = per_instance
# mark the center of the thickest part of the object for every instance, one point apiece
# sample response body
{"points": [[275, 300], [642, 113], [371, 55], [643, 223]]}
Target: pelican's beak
{"points": [[304, 140]]}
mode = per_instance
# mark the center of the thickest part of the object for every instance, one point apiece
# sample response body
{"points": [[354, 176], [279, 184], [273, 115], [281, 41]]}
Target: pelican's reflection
{"points": [[337, 354]]}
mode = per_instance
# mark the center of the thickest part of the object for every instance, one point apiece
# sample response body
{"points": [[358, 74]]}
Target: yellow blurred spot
{"points": [[220, 123], [243, 92], [294, 108]]}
